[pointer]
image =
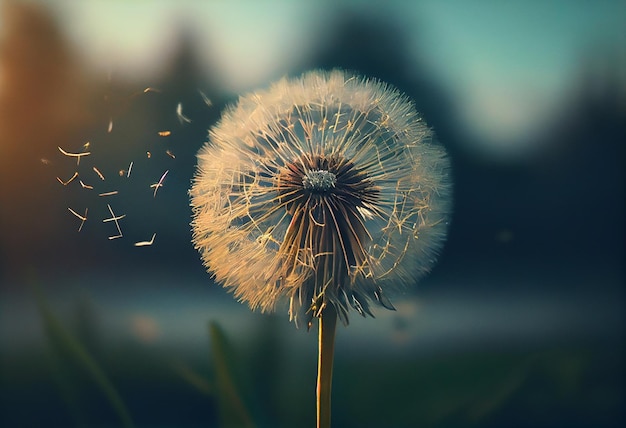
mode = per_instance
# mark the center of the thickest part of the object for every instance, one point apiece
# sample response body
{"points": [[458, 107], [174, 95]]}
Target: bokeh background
{"points": [[521, 322]]}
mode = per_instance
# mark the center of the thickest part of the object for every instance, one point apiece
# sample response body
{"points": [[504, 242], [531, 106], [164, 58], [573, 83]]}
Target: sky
{"points": [[508, 65]]}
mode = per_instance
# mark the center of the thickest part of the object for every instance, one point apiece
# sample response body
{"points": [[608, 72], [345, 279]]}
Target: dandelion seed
{"points": [[159, 183], [146, 243], [179, 113], [111, 193], [86, 145], [328, 191], [206, 99], [114, 219], [149, 155], [65, 183], [76, 214], [74, 155], [85, 186], [165, 133], [83, 218], [97, 171], [150, 89], [170, 154]]}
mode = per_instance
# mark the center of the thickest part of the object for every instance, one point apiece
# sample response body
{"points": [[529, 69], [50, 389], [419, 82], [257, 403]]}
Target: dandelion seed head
{"points": [[319, 180], [328, 189]]}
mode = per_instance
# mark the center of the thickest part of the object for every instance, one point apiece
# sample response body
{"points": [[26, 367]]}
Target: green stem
{"points": [[327, 328]]}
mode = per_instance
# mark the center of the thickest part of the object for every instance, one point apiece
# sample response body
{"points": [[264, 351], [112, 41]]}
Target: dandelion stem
{"points": [[327, 327]]}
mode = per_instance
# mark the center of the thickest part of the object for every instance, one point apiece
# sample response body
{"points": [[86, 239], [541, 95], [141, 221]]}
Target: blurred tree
{"points": [[43, 94]]}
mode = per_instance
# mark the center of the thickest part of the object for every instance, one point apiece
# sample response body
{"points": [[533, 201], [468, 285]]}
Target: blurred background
{"points": [[521, 322]]}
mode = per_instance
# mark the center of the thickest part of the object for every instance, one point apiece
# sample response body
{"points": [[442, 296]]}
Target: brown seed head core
{"points": [[323, 195]]}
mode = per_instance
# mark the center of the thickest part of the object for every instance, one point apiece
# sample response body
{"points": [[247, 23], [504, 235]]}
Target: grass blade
{"points": [[233, 412], [64, 342]]}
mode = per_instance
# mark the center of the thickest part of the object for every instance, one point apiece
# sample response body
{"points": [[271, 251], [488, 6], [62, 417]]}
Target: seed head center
{"points": [[319, 180]]}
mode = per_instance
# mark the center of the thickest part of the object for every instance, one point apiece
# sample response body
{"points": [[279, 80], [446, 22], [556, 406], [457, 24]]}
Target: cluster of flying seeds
{"points": [[94, 180], [96, 172]]}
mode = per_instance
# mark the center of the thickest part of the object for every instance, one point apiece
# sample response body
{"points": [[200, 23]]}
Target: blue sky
{"points": [[509, 65], [516, 61]]}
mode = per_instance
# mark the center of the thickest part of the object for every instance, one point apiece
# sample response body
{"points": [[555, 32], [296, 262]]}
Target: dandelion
{"points": [[328, 192]]}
